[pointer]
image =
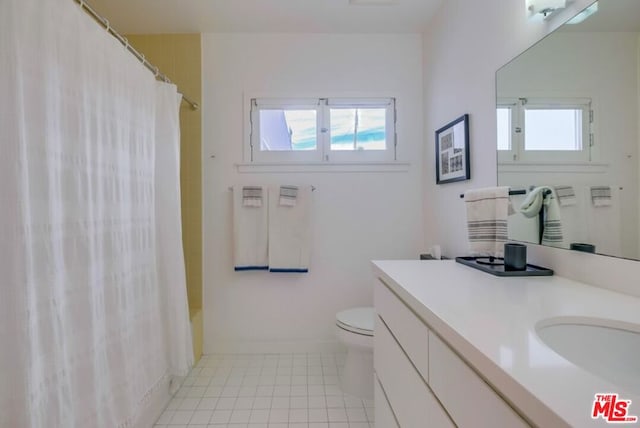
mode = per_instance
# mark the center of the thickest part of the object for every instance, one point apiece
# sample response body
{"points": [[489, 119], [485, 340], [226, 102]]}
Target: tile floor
{"points": [[266, 391]]}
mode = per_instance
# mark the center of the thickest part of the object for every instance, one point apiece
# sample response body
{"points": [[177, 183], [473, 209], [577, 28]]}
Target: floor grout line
{"points": [[232, 386]]}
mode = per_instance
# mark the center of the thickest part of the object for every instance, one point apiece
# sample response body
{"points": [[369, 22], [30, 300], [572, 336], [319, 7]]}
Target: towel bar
{"points": [[511, 192], [313, 188]]}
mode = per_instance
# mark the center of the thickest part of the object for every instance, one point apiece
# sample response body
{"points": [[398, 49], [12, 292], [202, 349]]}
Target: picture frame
{"points": [[452, 151]]}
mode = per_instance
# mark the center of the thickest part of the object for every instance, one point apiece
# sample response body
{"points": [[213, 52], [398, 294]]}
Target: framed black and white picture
{"points": [[452, 151]]}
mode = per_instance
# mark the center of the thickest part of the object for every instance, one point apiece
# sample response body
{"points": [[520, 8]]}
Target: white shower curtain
{"points": [[93, 309]]}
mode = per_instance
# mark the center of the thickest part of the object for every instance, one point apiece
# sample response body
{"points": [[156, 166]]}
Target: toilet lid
{"points": [[357, 320]]}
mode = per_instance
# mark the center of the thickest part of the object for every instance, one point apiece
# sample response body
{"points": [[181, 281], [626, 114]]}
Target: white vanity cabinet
{"points": [[421, 382], [455, 346]]}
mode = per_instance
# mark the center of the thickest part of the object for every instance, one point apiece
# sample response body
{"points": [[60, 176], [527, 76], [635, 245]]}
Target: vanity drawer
{"points": [[470, 401], [408, 329], [413, 404], [383, 414]]}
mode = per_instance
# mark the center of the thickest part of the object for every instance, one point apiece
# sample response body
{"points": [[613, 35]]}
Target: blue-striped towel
{"points": [[289, 232], [250, 228]]}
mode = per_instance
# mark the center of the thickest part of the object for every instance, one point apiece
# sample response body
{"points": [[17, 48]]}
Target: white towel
{"points": [[520, 227], [250, 229], [601, 196], [289, 231], [566, 195], [252, 196], [487, 220], [604, 223], [533, 202], [544, 199], [288, 195], [552, 233]]}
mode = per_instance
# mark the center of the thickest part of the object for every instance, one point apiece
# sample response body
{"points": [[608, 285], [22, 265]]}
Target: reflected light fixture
{"points": [[584, 14], [544, 8]]}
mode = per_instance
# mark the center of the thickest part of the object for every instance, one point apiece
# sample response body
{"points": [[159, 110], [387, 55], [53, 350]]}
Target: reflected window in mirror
{"points": [[547, 136], [544, 130]]}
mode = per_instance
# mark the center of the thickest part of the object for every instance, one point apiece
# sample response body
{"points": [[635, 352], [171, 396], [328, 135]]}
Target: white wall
{"points": [[357, 216], [468, 41], [547, 71]]}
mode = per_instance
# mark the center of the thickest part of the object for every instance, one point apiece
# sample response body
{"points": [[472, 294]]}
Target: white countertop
{"points": [[490, 321]]}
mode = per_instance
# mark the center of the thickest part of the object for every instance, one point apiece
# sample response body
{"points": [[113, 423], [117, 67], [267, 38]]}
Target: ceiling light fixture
{"points": [[584, 14], [544, 8]]}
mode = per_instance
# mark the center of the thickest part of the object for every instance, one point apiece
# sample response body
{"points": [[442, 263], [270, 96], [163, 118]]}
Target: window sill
{"points": [[323, 167], [569, 167]]}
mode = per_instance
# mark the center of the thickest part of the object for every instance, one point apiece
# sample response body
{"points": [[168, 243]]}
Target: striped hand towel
{"points": [[601, 196], [566, 195], [552, 233], [288, 196], [252, 196], [487, 220], [543, 198]]}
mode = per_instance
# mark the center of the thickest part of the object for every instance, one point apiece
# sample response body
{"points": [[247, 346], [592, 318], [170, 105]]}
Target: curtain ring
{"points": [[81, 4], [156, 70], [107, 25], [126, 42]]}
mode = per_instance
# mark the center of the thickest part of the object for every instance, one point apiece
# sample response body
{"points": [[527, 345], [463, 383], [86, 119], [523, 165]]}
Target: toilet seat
{"points": [[357, 320]]}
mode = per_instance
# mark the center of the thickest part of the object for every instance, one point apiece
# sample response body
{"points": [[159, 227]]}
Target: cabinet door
{"points": [[410, 398], [384, 414], [409, 330], [470, 401]]}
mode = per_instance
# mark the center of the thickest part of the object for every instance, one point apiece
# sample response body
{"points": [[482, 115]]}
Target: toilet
{"points": [[354, 328]]}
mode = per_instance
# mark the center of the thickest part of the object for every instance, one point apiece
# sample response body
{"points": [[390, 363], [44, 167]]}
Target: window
{"points": [[544, 130], [322, 130]]}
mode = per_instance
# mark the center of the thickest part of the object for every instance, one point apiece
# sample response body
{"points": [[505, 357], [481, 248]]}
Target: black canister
{"points": [[515, 256], [585, 248]]}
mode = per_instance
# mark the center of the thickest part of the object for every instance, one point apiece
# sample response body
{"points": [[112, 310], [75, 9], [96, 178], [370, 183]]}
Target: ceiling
{"points": [[281, 16]]}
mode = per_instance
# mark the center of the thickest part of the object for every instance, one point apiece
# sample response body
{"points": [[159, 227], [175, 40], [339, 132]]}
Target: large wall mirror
{"points": [[568, 119]]}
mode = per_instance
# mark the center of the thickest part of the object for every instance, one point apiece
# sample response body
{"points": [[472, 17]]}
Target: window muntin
{"points": [[322, 130]]}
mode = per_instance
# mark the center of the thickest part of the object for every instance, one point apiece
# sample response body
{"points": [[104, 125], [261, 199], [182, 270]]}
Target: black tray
{"points": [[498, 269]]}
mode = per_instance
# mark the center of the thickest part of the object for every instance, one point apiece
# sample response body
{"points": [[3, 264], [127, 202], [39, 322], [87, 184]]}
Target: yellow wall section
{"points": [[179, 57]]}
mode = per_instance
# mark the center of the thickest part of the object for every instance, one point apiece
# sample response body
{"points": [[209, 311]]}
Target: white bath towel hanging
{"points": [[487, 211], [604, 223], [289, 231], [250, 228]]}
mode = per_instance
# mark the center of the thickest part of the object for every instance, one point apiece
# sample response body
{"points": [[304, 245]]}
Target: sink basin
{"points": [[605, 348]]}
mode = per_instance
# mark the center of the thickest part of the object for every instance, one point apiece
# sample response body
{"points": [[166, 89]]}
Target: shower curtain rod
{"points": [[155, 70]]}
